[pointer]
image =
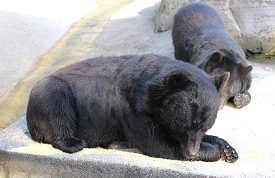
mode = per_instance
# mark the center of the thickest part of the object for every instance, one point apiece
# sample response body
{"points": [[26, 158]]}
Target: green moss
{"points": [[259, 57], [269, 55]]}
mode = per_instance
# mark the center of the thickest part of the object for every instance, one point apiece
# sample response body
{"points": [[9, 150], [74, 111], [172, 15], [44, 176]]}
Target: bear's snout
{"points": [[190, 149]]}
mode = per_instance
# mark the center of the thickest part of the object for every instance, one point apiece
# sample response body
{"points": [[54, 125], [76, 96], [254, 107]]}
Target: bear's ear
{"points": [[214, 61], [246, 71], [220, 81], [216, 58], [176, 81]]}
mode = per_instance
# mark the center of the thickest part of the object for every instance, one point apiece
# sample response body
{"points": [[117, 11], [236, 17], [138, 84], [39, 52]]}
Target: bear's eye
{"points": [[197, 123]]}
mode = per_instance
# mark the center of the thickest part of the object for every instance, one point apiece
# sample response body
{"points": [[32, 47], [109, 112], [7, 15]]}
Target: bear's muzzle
{"points": [[190, 149]]}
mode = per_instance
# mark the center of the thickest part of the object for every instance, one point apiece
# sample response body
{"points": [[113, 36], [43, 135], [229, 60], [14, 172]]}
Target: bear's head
{"points": [[235, 90], [186, 105]]}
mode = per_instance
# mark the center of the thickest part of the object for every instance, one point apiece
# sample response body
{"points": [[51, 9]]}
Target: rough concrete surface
{"points": [[249, 130]]}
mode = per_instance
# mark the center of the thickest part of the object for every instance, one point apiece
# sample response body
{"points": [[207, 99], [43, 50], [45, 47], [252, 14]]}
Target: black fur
{"points": [[200, 38], [161, 106]]}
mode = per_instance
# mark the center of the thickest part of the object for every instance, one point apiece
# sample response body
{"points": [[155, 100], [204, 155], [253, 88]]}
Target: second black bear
{"points": [[200, 38], [161, 106]]}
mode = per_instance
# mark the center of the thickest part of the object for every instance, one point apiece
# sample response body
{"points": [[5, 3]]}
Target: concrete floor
{"points": [[249, 130], [31, 44], [28, 29]]}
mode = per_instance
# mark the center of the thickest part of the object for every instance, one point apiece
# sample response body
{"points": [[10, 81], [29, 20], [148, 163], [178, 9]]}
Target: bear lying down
{"points": [[160, 106]]}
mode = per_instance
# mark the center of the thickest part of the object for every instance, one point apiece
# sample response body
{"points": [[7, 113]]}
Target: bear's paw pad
{"points": [[229, 154]]}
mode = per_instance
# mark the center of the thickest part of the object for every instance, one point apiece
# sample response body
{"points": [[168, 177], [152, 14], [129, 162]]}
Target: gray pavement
{"points": [[28, 29], [249, 130], [21, 49]]}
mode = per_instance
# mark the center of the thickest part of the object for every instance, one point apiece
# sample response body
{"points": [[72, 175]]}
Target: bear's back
{"points": [[110, 77], [198, 17], [198, 32]]}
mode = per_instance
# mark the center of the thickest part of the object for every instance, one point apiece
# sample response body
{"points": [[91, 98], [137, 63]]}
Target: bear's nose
{"points": [[191, 153], [191, 150]]}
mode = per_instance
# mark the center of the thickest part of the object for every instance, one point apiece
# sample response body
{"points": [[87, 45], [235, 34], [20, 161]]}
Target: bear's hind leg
{"points": [[69, 145], [52, 117]]}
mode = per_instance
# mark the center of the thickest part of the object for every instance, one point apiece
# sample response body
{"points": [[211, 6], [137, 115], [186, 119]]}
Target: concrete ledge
{"points": [[21, 157]]}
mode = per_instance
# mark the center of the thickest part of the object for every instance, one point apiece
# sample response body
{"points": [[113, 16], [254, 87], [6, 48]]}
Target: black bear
{"points": [[200, 38], [162, 107]]}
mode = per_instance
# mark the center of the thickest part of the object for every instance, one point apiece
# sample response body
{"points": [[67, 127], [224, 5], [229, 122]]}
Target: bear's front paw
{"points": [[229, 154], [241, 100]]}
